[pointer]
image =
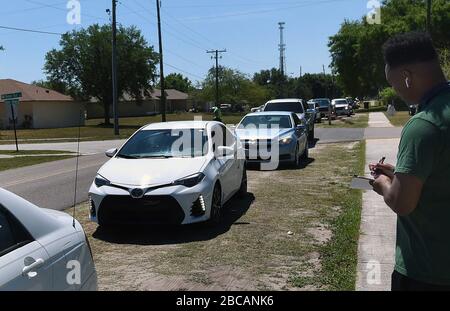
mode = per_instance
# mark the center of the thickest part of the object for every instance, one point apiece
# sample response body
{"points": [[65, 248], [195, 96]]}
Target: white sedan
{"points": [[42, 249], [169, 173]]}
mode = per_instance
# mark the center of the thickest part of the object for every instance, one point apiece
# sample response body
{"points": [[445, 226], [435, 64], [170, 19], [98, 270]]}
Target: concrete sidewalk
{"points": [[379, 119], [376, 249]]}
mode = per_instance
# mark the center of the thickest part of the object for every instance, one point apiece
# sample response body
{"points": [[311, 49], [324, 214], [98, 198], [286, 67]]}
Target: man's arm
{"points": [[401, 193], [418, 150]]}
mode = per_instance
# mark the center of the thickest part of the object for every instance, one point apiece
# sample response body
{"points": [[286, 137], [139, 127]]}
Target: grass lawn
{"points": [[399, 118], [6, 164], [95, 130], [358, 120], [251, 249]]}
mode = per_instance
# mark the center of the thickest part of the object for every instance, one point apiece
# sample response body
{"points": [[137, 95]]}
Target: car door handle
{"points": [[28, 270]]}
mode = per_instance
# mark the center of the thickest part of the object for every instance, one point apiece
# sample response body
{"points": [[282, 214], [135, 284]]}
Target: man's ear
{"points": [[407, 76]]}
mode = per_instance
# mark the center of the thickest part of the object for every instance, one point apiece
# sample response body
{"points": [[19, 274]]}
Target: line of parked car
{"points": [[165, 173]]}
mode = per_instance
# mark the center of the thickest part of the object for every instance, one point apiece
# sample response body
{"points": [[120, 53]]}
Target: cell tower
{"points": [[282, 48]]}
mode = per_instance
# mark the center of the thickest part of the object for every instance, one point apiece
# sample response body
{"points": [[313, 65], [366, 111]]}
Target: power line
{"points": [[262, 11], [169, 51], [184, 71], [31, 30]]}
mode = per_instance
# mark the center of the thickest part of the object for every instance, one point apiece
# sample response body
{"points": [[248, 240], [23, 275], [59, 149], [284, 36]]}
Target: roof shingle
{"points": [[31, 92]]}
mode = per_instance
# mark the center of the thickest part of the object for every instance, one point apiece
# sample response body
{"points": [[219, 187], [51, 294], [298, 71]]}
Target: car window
{"points": [[166, 143], [265, 122], [305, 106], [12, 233], [285, 106], [297, 120]]}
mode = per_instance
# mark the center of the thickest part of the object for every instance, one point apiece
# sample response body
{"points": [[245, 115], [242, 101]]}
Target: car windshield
{"points": [[322, 102], [266, 121], [167, 143], [291, 107], [340, 102]]}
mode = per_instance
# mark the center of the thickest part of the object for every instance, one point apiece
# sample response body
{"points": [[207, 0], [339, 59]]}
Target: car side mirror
{"points": [[111, 152], [225, 151]]}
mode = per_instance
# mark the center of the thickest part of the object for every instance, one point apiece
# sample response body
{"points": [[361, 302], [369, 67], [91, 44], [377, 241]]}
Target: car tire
{"points": [[305, 154], [243, 189], [311, 135], [296, 161], [216, 206]]}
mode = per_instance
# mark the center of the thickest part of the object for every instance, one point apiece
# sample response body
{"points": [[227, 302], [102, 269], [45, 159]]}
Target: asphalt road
{"points": [[51, 185]]}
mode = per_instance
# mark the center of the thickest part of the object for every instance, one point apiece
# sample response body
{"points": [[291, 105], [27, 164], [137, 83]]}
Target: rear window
{"points": [[266, 121], [290, 107], [340, 102]]}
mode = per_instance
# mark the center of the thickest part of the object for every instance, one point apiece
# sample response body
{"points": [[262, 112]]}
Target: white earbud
{"points": [[407, 83]]}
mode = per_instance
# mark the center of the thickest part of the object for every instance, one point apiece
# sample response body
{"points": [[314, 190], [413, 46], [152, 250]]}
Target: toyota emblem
{"points": [[137, 193]]}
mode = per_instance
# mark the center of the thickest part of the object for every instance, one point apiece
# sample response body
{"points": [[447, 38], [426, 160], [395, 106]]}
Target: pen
{"points": [[382, 160]]}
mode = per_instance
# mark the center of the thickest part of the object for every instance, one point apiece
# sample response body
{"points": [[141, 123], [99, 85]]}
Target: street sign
{"points": [[12, 95], [13, 101]]}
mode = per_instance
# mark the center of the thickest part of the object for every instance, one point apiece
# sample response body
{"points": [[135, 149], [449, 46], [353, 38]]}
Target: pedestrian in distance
{"points": [[217, 114], [418, 188]]}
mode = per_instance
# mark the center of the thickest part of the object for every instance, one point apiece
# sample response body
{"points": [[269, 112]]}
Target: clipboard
{"points": [[361, 183]]}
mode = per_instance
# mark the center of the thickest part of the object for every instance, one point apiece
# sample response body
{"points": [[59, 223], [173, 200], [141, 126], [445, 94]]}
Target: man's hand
{"points": [[381, 184], [401, 192], [384, 169]]}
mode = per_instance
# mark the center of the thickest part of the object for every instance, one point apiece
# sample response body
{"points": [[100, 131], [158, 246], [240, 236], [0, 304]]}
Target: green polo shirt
{"points": [[423, 237]]}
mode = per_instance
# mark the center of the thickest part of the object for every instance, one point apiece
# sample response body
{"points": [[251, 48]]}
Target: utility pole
{"points": [[216, 57], [429, 16], [326, 94], [300, 71], [162, 104], [282, 48], [114, 68]]}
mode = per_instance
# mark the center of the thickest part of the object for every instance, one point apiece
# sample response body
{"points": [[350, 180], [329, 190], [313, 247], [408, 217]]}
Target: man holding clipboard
{"points": [[418, 188]]}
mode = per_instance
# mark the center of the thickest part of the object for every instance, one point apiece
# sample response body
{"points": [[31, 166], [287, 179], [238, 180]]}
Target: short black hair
{"points": [[409, 48]]}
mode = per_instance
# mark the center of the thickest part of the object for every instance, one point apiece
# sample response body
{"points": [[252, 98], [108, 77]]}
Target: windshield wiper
{"points": [[125, 156], [156, 157]]}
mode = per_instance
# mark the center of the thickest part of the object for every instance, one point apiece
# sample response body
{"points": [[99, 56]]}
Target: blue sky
{"points": [[248, 29]]}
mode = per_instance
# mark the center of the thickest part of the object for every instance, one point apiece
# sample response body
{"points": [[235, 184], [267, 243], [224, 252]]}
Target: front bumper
{"points": [[166, 205], [262, 151]]}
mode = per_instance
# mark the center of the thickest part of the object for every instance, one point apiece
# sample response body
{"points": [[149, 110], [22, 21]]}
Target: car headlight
{"points": [[101, 181], [346, 108], [285, 140], [190, 181]]}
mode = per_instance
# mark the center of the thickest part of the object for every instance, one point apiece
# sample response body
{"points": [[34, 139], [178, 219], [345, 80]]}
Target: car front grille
{"points": [[123, 209], [259, 144]]}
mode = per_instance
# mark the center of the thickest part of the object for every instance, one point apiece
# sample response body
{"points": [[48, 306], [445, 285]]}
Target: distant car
{"points": [[169, 173], [257, 109], [298, 106], [264, 129], [341, 107], [39, 248], [226, 107], [352, 104], [314, 107], [412, 110], [324, 104]]}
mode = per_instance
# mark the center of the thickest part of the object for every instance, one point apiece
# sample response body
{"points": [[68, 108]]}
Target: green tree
{"points": [[389, 96], [178, 82], [83, 64], [445, 62], [234, 88], [356, 48], [52, 85]]}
